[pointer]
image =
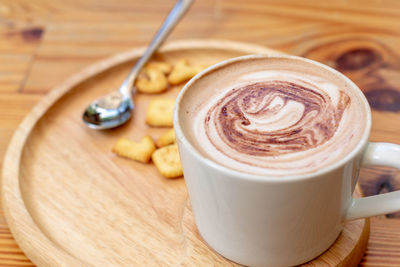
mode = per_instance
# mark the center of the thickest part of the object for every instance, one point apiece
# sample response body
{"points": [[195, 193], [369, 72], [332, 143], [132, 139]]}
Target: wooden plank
{"points": [[384, 244], [10, 253], [17, 47], [13, 70], [364, 14], [76, 33], [13, 108]]}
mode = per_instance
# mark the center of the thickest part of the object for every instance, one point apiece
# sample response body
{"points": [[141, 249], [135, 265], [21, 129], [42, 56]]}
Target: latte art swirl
{"points": [[273, 118]]}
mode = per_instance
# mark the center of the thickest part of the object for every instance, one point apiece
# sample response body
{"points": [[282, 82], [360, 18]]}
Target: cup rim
{"points": [[267, 178]]}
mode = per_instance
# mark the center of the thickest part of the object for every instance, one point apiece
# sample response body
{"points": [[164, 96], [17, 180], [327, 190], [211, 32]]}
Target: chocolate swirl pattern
{"points": [[276, 119], [272, 118]]}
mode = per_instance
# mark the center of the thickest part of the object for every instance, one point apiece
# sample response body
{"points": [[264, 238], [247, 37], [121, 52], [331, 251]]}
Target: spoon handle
{"points": [[173, 18]]}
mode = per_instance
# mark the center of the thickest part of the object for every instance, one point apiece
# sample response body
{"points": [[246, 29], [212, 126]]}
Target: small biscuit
{"points": [[163, 67], [160, 112], [166, 139], [167, 161], [152, 81], [182, 71], [139, 151]]}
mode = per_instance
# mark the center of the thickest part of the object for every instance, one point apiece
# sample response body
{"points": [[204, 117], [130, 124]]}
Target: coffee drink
{"points": [[270, 148], [276, 117]]}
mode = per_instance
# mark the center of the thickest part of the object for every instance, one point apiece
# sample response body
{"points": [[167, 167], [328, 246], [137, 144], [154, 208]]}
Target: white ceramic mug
{"points": [[269, 221]]}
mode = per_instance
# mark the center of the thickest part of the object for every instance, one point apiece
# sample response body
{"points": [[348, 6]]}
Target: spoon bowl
{"points": [[108, 112]]}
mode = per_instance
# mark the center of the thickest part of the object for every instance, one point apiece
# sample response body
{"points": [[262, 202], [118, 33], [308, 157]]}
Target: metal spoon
{"points": [[115, 109]]}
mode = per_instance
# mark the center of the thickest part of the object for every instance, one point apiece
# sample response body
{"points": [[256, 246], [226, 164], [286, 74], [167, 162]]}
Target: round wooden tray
{"points": [[69, 201]]}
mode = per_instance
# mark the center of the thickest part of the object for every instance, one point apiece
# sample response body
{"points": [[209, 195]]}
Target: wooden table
{"points": [[43, 42]]}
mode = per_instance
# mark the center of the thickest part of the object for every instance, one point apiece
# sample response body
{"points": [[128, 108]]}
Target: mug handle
{"points": [[377, 154]]}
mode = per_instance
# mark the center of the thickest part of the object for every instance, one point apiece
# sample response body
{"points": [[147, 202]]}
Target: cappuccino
{"points": [[275, 116]]}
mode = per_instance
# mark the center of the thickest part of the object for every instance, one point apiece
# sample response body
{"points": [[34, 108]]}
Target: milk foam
{"points": [[275, 120]]}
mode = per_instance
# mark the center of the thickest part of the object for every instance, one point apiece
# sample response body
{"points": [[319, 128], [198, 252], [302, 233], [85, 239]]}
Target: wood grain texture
{"points": [[82, 205], [43, 42], [383, 248]]}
